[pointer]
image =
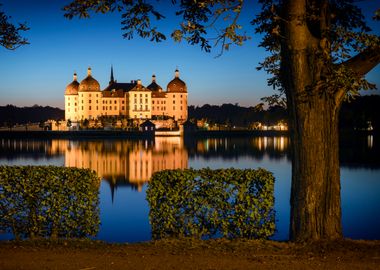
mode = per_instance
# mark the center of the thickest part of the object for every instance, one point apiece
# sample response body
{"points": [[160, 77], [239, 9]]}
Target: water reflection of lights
{"points": [[370, 141], [133, 162]]}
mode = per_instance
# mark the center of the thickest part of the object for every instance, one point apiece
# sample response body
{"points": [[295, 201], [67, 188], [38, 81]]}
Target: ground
{"points": [[189, 254]]}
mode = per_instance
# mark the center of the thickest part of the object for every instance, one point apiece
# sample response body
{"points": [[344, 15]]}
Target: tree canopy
{"points": [[10, 34]]}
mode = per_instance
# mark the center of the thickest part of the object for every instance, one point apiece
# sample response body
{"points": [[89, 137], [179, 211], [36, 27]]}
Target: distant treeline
{"points": [[360, 113], [235, 115], [22, 115], [357, 113]]}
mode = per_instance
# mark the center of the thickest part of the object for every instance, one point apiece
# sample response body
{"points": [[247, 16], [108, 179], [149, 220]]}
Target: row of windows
{"points": [[141, 107], [163, 108], [141, 100], [158, 102], [146, 95]]}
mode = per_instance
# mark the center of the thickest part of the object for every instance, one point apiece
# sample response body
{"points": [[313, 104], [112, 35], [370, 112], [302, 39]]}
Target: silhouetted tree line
{"points": [[355, 114], [11, 114], [235, 115], [360, 113]]}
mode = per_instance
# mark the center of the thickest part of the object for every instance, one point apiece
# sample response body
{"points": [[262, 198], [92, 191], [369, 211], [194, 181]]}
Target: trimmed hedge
{"points": [[49, 201], [207, 203]]}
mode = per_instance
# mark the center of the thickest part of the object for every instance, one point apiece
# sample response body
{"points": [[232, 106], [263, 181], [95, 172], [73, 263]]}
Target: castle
{"points": [[132, 100]]}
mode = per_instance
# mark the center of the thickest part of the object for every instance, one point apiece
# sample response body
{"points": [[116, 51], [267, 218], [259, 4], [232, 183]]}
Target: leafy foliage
{"points": [[48, 201], [10, 37], [341, 30], [197, 20], [206, 203]]}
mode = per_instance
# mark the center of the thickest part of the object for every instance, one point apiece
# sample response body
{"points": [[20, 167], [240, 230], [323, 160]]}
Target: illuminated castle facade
{"points": [[85, 100]]}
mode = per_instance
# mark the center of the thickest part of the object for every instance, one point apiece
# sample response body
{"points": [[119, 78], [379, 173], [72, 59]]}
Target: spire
{"points": [[153, 78], [89, 71], [75, 76], [176, 73], [111, 79]]}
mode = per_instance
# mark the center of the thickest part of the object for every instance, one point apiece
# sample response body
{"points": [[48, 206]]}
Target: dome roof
{"points": [[72, 88], [89, 84], [177, 85], [154, 86]]}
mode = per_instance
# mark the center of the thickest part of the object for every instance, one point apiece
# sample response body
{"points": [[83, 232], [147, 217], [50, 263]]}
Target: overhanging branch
{"points": [[363, 62], [360, 65]]}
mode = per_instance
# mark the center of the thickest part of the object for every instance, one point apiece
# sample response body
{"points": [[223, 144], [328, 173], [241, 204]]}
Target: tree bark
{"points": [[315, 193]]}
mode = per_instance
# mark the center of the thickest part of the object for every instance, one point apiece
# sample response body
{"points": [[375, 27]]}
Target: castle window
{"points": [[152, 101], [68, 98], [173, 108], [122, 102], [140, 95], [97, 101], [97, 108], [141, 100], [75, 104], [135, 95], [115, 101], [115, 108], [152, 107], [82, 101], [181, 95], [146, 100], [96, 95], [89, 108], [135, 100], [89, 101], [146, 107], [103, 108], [75, 109], [122, 108], [173, 96], [82, 108], [146, 95], [89, 95], [181, 101], [173, 101], [181, 108], [68, 104]]}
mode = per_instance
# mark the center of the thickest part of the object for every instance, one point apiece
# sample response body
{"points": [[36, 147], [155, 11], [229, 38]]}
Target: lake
{"points": [[125, 167]]}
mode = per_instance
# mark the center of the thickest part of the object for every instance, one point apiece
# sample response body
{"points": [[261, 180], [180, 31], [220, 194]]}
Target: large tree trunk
{"points": [[315, 194]]}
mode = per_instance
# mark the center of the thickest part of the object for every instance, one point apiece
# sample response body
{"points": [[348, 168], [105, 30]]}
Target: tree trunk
{"points": [[315, 193]]}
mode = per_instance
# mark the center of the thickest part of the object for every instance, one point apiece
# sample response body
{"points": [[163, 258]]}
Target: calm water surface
{"points": [[126, 166]]}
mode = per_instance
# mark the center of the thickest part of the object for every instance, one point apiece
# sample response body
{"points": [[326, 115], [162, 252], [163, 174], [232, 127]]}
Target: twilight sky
{"points": [[38, 73]]}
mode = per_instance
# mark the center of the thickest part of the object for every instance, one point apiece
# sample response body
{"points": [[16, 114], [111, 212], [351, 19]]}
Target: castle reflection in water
{"points": [[125, 162]]}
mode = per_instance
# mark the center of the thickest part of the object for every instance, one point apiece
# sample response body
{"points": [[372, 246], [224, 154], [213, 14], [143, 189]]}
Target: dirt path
{"points": [[189, 254]]}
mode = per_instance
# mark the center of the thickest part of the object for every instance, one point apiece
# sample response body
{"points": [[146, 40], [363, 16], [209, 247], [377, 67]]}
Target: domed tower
{"points": [[89, 97], [177, 98], [71, 100]]}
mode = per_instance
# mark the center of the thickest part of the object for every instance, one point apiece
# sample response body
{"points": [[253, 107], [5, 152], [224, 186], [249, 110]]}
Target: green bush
{"points": [[49, 201], [209, 203]]}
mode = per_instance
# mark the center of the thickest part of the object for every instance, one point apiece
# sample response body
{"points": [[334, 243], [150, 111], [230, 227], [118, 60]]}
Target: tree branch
{"points": [[360, 65], [363, 62]]}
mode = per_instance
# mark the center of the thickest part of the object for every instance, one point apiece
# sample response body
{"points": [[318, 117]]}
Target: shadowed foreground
{"points": [[190, 254]]}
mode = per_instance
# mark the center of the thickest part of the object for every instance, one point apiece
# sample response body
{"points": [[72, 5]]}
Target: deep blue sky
{"points": [[38, 73]]}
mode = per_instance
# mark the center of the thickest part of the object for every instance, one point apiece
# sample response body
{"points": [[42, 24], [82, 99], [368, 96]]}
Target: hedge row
{"points": [[48, 201], [209, 203]]}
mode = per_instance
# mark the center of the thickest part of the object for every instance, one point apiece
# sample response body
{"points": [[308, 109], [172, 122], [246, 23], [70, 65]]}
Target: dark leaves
{"points": [[10, 37]]}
